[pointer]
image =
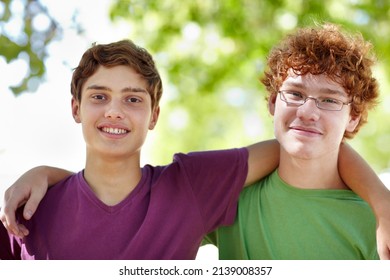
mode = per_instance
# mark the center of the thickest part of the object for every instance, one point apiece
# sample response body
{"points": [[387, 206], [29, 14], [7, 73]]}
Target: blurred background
{"points": [[210, 55]]}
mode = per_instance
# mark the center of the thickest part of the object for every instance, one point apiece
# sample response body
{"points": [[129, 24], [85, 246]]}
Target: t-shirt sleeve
{"points": [[216, 179]]}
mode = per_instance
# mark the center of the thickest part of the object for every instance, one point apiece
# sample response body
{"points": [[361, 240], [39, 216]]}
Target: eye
{"points": [[329, 100], [294, 95], [98, 97], [134, 99]]}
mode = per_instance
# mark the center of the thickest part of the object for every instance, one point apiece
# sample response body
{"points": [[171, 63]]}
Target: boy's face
{"points": [[306, 131], [115, 111]]}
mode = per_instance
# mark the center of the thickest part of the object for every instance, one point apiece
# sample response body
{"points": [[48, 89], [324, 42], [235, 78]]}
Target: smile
{"points": [[116, 131], [306, 130]]}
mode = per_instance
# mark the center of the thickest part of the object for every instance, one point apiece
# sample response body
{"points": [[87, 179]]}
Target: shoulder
{"points": [[200, 158], [203, 167], [212, 156], [269, 180], [66, 185]]}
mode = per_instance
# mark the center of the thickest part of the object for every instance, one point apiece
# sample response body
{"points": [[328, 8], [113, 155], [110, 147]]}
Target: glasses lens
{"points": [[291, 98], [296, 99], [333, 105]]}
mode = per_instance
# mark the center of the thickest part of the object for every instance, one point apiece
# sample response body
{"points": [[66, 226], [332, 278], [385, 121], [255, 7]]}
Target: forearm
{"points": [[52, 174], [263, 159], [362, 179], [359, 176]]}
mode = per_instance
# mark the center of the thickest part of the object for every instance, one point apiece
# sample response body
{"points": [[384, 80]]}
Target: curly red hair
{"points": [[346, 59]]}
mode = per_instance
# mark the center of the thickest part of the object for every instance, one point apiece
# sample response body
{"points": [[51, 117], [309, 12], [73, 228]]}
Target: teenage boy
{"points": [[114, 209], [320, 88]]}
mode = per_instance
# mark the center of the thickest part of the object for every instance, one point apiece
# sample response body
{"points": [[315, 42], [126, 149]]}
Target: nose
{"points": [[308, 110], [114, 110]]}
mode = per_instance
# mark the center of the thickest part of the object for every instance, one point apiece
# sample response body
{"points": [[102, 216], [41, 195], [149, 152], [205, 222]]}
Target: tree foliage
{"points": [[211, 54], [29, 41]]}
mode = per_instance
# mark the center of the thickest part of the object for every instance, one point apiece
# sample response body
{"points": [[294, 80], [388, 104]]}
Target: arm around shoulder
{"points": [[263, 159], [363, 180], [29, 189]]}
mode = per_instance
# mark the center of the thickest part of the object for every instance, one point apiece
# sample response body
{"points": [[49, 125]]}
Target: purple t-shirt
{"points": [[165, 216]]}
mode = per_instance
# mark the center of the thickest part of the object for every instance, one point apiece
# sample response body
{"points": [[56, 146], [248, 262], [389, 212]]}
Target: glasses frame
{"points": [[317, 101]]}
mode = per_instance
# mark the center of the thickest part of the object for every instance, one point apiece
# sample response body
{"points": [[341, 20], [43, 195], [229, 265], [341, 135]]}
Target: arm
{"points": [[30, 188], [359, 176], [263, 159]]}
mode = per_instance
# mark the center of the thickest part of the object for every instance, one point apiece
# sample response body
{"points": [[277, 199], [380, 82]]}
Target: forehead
{"points": [[313, 84], [116, 78]]}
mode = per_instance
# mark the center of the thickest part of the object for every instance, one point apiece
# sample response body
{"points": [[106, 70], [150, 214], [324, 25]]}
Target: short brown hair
{"points": [[345, 59], [123, 52]]}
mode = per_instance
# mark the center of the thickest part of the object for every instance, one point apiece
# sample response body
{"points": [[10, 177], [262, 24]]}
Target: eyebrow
{"points": [[126, 89], [324, 90]]}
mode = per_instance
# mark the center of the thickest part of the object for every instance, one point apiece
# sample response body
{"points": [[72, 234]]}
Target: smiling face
{"points": [[115, 112], [308, 132]]}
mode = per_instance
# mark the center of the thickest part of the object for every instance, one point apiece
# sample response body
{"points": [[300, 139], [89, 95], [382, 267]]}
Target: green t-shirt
{"points": [[278, 221]]}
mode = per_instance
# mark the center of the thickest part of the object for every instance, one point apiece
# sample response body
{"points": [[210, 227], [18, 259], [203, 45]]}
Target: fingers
{"points": [[32, 204], [7, 217], [8, 214], [29, 189], [11, 203], [23, 231], [383, 239], [384, 254]]}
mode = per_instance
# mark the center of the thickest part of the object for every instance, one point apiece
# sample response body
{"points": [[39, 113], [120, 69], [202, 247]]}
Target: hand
{"points": [[383, 232], [383, 243], [29, 189]]}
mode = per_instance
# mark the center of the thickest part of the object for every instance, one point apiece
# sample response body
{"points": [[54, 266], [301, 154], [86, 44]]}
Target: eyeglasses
{"points": [[293, 98]]}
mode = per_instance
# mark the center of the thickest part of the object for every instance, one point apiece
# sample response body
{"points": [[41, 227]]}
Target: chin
{"points": [[300, 151]]}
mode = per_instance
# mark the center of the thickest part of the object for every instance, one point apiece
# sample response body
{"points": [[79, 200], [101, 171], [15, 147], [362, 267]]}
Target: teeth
{"points": [[112, 130]]}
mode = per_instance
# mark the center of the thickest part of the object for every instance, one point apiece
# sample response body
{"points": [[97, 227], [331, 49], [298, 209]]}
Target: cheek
{"points": [[141, 119], [89, 112], [280, 124], [89, 116], [284, 115], [337, 127]]}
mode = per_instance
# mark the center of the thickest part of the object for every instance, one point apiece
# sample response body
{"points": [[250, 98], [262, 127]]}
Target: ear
{"points": [[353, 122], [153, 120], [76, 110], [271, 104]]}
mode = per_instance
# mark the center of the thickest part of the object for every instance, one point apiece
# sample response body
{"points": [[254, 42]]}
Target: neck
{"points": [[317, 173], [112, 179]]}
